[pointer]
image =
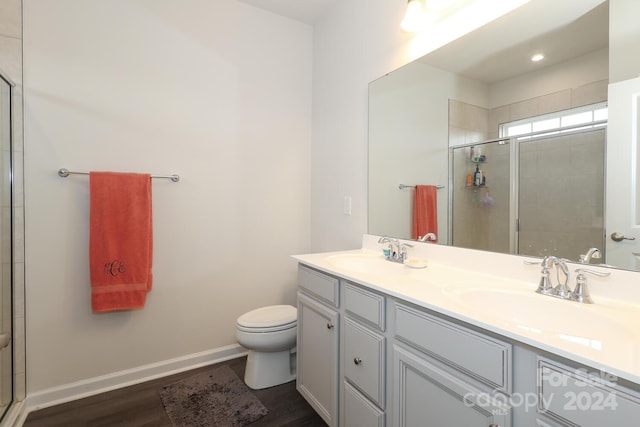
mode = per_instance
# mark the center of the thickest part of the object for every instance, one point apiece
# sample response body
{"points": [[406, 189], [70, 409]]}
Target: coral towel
{"points": [[425, 211], [121, 240]]}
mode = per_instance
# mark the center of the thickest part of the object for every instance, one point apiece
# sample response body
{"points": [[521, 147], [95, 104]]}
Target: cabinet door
{"points": [[317, 357], [574, 396], [359, 411], [426, 395]]}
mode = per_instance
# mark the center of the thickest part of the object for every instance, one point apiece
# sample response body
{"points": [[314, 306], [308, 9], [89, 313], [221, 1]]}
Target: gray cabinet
{"points": [[317, 347], [483, 359], [572, 395], [367, 359], [363, 358], [447, 374]]}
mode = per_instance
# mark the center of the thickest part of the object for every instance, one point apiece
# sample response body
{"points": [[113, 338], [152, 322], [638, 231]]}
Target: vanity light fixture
{"points": [[421, 13], [537, 57], [414, 18], [438, 4]]}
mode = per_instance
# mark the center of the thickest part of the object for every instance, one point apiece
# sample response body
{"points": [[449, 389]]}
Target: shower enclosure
{"points": [[539, 194], [6, 238]]}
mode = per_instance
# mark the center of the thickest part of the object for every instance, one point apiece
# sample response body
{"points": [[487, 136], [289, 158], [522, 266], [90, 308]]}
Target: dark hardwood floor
{"points": [[140, 405]]}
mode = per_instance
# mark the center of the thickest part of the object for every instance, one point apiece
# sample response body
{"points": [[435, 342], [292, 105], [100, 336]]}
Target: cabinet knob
{"points": [[329, 325], [357, 360]]}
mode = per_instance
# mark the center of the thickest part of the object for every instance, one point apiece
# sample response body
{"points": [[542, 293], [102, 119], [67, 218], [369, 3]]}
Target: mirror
{"points": [[417, 114]]}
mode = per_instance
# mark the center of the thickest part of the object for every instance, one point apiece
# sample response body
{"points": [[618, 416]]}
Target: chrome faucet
{"points": [[579, 294], [396, 251], [591, 253], [427, 237], [393, 245]]}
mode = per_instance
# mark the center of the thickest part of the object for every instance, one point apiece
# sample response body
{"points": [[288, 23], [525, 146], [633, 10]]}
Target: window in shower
{"points": [[581, 118]]}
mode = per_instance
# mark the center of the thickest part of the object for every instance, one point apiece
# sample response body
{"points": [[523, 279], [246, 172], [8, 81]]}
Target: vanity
{"points": [[383, 344]]}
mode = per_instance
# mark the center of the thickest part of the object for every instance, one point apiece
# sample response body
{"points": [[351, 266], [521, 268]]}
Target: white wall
{"points": [[359, 41], [217, 91], [624, 31]]}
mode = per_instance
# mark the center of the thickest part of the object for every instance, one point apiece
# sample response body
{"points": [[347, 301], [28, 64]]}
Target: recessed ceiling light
{"points": [[537, 57]]}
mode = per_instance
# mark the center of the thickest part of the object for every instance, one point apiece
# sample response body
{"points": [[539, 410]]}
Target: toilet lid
{"points": [[268, 317]]}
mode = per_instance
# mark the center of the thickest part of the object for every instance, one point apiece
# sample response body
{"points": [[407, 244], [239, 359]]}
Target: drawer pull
{"points": [[494, 425], [329, 325], [357, 360]]}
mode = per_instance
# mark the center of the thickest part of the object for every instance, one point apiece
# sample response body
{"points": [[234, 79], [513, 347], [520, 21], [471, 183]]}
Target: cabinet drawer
{"points": [[358, 411], [483, 358], [576, 397], [321, 286], [364, 360], [364, 305]]}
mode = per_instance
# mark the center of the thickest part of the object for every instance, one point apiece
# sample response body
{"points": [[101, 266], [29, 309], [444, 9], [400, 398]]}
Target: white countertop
{"points": [[604, 335]]}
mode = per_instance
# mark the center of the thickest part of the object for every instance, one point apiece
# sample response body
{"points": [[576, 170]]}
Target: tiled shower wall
{"points": [[11, 65], [480, 215]]}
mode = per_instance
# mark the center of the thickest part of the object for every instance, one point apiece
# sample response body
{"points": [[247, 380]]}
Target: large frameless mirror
{"points": [[542, 194]]}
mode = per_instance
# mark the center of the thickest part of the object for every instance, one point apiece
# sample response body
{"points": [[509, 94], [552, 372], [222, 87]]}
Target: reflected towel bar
{"points": [[65, 173], [401, 186]]}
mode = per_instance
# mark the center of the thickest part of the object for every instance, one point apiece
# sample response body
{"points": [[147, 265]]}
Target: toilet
{"points": [[269, 334]]}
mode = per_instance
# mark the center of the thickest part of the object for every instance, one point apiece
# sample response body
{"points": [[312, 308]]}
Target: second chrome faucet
{"points": [[561, 290]]}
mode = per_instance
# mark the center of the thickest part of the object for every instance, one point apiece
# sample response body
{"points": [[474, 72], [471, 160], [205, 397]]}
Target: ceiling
{"points": [[494, 53], [307, 11]]}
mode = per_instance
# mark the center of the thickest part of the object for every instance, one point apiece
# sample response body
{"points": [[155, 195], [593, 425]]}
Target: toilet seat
{"points": [[268, 319]]}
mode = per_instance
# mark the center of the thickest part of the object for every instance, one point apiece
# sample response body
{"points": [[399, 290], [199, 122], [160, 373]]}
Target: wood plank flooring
{"points": [[140, 406]]}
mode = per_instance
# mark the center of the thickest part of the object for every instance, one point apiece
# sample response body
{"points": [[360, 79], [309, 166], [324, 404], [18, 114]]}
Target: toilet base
{"points": [[268, 369]]}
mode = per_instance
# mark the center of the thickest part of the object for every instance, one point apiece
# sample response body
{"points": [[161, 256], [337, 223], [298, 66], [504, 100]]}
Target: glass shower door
{"points": [[561, 194], [6, 259]]}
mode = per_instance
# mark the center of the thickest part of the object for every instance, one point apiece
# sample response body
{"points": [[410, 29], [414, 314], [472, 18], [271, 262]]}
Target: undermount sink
{"points": [[579, 324], [367, 263], [374, 265]]}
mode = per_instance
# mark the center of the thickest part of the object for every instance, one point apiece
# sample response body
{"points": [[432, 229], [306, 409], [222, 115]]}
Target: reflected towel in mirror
{"points": [[425, 211]]}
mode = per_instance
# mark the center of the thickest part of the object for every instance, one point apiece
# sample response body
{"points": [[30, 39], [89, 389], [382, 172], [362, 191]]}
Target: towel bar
{"points": [[401, 186], [65, 173]]}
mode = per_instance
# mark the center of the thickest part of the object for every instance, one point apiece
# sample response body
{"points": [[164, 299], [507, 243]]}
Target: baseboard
{"points": [[92, 386], [16, 415]]}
